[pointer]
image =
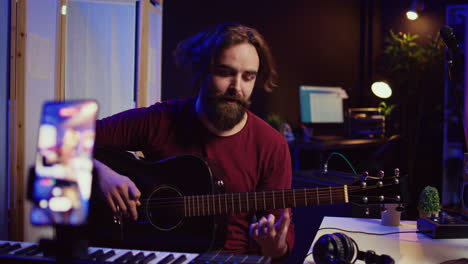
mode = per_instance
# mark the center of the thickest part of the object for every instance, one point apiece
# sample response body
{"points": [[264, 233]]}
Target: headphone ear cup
{"points": [[339, 247], [348, 246], [327, 248]]}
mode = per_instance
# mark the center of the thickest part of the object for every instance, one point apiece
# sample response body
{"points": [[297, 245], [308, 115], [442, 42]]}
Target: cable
{"points": [[374, 234], [325, 165]]}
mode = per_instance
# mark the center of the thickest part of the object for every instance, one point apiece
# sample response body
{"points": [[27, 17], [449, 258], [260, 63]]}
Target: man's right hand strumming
{"points": [[121, 193]]}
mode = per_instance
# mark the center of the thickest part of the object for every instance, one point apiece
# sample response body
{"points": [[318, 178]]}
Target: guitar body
{"points": [[164, 229]]}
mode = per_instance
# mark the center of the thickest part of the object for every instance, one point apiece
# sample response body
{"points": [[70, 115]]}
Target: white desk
{"points": [[405, 248]]}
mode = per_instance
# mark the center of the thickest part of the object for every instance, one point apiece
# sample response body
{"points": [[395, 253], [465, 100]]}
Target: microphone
{"points": [[449, 39]]}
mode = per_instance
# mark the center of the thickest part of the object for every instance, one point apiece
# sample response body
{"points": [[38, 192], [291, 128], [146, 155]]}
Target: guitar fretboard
{"points": [[202, 205]]}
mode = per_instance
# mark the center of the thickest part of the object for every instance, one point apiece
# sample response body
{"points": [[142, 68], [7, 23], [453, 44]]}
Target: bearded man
{"points": [[226, 63]]}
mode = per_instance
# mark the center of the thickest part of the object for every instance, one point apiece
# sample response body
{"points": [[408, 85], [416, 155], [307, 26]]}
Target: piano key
{"points": [[96, 254], [25, 250], [181, 259], [167, 259], [124, 257], [106, 255], [147, 259], [4, 245], [136, 258], [34, 252], [10, 248]]}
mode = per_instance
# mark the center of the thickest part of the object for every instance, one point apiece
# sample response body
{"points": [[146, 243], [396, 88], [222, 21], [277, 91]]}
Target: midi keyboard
{"points": [[29, 252]]}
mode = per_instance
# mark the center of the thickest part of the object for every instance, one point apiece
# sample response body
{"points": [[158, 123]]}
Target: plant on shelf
{"points": [[391, 125], [405, 60], [275, 121], [429, 202], [385, 109], [278, 123]]}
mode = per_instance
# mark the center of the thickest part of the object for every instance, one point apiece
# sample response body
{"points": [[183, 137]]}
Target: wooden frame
{"points": [[61, 52], [142, 53], [17, 108], [17, 117], [18, 169]]}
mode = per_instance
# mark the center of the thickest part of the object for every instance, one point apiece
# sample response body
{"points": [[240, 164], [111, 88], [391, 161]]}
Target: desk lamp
{"points": [[381, 89], [415, 9]]}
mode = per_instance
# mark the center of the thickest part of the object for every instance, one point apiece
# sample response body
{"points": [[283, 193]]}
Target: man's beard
{"points": [[224, 114]]}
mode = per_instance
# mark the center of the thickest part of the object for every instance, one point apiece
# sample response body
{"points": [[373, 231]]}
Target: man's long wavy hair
{"points": [[199, 53]]}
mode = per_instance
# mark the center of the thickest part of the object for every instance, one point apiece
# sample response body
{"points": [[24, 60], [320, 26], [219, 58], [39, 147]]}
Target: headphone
{"points": [[340, 248]]}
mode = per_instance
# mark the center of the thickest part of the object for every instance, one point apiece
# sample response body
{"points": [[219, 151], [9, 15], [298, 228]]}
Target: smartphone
{"points": [[62, 175]]}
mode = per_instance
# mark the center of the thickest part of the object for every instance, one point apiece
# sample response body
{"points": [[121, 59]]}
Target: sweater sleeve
{"points": [[129, 130]]}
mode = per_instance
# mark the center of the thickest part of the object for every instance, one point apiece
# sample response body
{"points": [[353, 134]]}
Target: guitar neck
{"points": [[202, 205]]}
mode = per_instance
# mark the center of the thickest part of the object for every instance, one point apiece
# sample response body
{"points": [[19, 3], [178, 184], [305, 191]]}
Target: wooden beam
{"points": [[17, 117], [60, 51], [142, 53]]}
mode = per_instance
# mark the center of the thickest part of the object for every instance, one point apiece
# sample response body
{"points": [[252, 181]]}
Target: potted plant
{"points": [[410, 66], [429, 202], [275, 121]]}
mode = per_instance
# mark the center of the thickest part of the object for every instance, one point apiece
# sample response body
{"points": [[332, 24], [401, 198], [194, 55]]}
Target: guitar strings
{"points": [[321, 191], [278, 194], [210, 202], [194, 208], [208, 208]]}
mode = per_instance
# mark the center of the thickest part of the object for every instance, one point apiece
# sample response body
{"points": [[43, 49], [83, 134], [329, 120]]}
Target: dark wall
{"points": [[313, 43], [423, 131]]}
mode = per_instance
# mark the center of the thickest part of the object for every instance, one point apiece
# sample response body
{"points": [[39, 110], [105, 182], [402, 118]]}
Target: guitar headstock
{"points": [[376, 189]]}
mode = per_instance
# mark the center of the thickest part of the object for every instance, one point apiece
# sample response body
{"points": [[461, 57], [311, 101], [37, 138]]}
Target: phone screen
{"points": [[61, 187]]}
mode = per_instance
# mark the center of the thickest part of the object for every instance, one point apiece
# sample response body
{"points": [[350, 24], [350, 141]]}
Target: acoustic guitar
{"points": [[182, 207]]}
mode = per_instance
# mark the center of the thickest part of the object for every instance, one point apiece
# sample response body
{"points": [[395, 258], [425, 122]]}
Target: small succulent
{"points": [[429, 201]]}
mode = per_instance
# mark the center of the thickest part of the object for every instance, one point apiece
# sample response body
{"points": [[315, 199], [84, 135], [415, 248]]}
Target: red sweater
{"points": [[254, 159]]}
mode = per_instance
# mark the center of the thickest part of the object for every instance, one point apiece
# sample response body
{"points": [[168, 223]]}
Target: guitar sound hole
{"points": [[164, 208]]}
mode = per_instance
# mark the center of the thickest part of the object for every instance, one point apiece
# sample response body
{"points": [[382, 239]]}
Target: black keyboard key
{"points": [[14, 247], [147, 259], [136, 258], [96, 254], [25, 250], [34, 251], [124, 257], [181, 259], [5, 245], [167, 259], [10, 248], [106, 255]]}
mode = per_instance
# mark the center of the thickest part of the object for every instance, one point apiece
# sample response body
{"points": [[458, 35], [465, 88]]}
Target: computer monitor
{"points": [[321, 105]]}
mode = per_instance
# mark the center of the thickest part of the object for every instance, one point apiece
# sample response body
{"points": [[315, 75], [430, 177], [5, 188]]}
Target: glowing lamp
{"points": [[381, 89], [412, 15]]}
